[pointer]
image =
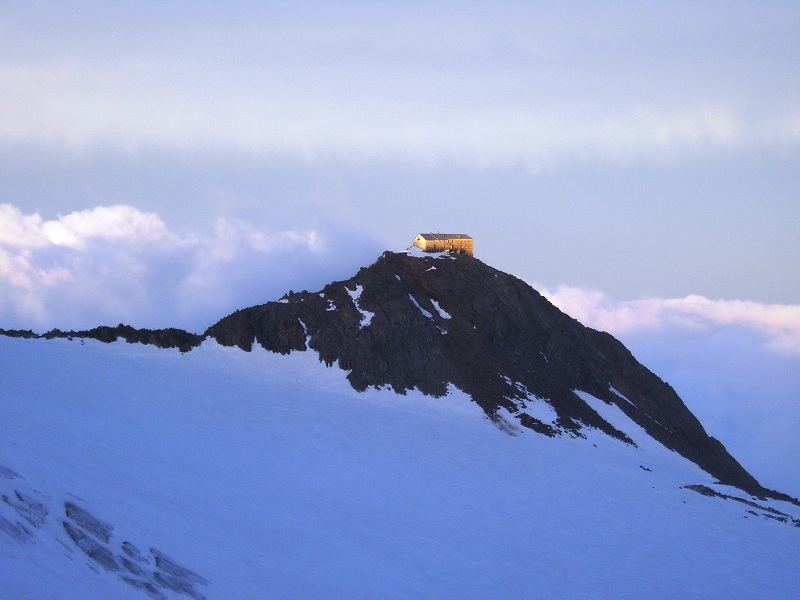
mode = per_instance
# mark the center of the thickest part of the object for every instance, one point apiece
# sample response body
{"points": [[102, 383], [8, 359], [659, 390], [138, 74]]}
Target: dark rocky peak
{"points": [[432, 321]]}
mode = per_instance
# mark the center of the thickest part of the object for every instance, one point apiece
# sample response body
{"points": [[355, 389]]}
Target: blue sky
{"points": [[163, 164]]}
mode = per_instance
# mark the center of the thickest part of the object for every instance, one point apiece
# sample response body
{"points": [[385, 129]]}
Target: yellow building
{"points": [[444, 242]]}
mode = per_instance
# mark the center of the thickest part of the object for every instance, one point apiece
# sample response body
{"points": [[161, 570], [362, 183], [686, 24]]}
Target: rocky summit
{"points": [[434, 321]]}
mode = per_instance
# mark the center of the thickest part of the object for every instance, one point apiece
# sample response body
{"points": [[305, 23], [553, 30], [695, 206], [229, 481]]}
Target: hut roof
{"points": [[444, 236]]}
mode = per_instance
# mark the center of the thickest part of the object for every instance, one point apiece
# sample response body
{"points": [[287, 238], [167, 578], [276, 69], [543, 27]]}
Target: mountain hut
{"points": [[444, 242]]}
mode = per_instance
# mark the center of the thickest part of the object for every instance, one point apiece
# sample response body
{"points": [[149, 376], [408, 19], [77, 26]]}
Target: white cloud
{"points": [[118, 222], [75, 230], [777, 324], [119, 264]]}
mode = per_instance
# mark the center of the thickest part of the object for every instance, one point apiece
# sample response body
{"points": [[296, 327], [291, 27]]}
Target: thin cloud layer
{"points": [[115, 264], [536, 86]]}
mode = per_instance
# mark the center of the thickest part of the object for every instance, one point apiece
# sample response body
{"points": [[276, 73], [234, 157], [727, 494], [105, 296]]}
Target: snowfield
{"points": [[225, 474]]}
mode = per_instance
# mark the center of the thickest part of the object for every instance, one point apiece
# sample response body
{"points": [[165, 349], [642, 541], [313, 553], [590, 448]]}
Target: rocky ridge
{"points": [[161, 338]]}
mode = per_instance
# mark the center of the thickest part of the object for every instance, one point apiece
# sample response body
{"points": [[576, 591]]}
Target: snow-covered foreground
{"points": [[269, 477]]}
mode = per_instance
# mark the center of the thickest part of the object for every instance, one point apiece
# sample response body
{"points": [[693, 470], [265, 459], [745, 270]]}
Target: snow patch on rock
{"points": [[427, 314], [366, 316], [442, 312]]}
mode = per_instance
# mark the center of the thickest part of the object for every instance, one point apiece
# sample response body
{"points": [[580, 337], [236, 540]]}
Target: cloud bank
{"points": [[536, 86], [777, 325], [113, 264]]}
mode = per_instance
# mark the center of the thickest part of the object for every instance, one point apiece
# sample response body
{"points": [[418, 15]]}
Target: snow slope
{"points": [[268, 476]]}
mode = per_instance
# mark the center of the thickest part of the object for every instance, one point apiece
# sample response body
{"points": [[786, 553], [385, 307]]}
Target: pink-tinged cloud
{"points": [[777, 324]]}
